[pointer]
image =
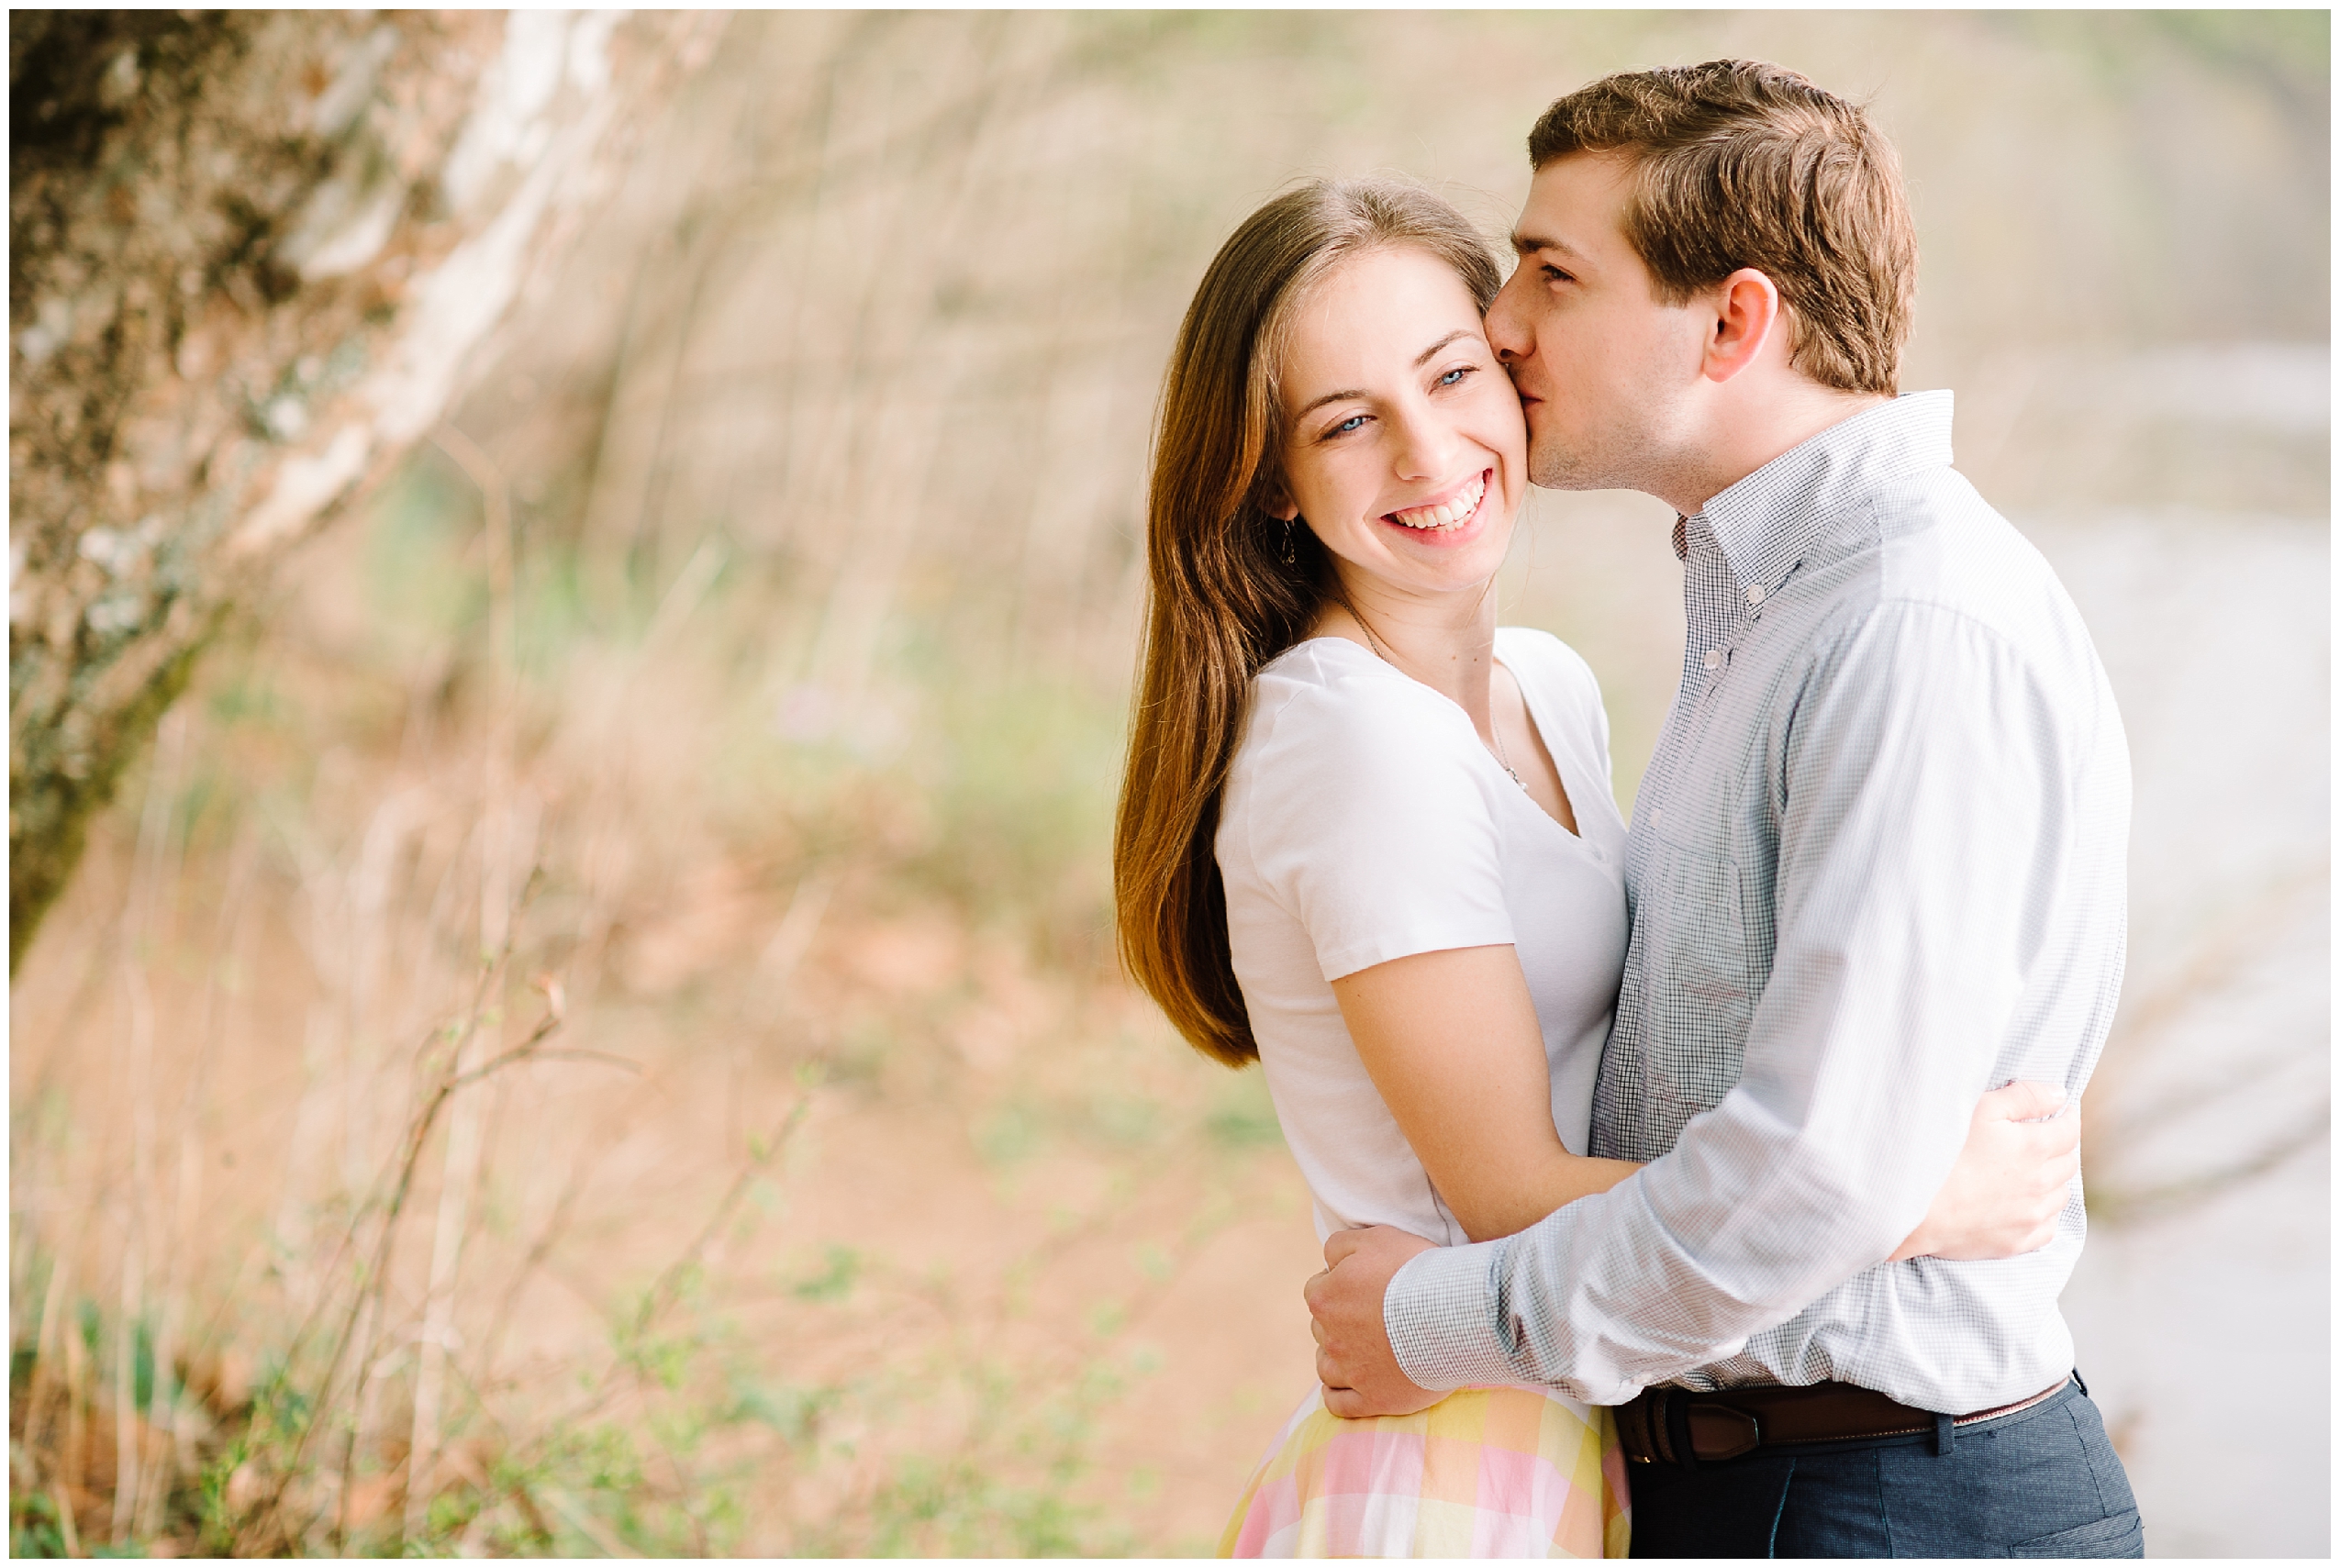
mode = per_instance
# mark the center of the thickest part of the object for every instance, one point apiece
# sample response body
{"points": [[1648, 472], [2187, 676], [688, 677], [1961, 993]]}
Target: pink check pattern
{"points": [[1498, 1472]]}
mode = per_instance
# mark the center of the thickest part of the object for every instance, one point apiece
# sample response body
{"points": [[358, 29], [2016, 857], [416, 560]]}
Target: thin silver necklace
{"points": [[1494, 748]]}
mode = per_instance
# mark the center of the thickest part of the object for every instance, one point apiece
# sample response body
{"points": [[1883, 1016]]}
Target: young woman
{"points": [[1366, 838]]}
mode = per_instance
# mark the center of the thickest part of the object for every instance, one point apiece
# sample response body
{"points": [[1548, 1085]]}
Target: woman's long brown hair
{"points": [[1223, 600]]}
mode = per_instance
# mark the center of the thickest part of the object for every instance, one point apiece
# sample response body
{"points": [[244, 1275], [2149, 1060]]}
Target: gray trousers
{"points": [[2041, 1483]]}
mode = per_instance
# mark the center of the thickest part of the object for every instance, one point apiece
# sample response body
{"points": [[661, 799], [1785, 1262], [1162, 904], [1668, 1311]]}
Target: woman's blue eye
{"points": [[1349, 424], [1451, 377]]}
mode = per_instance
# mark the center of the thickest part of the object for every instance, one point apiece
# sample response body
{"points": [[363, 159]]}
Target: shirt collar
{"points": [[1766, 522]]}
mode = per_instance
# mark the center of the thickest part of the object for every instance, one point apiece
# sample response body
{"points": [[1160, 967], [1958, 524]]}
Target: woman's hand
{"points": [[2011, 1180], [1354, 1361]]}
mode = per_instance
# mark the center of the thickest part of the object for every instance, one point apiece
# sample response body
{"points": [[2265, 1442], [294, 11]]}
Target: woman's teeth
{"points": [[1446, 516]]}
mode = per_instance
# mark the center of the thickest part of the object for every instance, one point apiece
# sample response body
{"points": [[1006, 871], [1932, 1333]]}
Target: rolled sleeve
{"points": [[1436, 1313]]}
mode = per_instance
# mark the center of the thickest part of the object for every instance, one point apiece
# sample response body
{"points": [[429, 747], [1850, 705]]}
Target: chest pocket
{"points": [[1698, 986]]}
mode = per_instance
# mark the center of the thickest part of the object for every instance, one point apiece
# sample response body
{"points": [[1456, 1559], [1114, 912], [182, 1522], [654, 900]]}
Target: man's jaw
{"points": [[1549, 468]]}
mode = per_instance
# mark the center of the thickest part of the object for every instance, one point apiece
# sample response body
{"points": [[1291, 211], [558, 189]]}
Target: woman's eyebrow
{"points": [[1335, 397], [1419, 360], [1423, 358]]}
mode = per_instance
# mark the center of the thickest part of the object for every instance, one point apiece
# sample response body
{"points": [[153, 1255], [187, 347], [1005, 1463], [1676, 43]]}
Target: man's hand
{"points": [[2012, 1181], [1354, 1360]]}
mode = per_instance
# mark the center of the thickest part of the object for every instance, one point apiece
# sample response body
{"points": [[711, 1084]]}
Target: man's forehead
{"points": [[1574, 205]]}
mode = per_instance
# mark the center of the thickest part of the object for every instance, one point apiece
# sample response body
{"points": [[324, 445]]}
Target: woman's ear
{"points": [[1277, 501]]}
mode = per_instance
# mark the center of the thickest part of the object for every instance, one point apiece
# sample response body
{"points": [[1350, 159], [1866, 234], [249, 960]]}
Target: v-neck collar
{"points": [[1560, 756], [1537, 715]]}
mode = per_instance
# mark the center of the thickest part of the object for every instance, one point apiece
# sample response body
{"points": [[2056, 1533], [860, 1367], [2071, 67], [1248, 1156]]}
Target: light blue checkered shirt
{"points": [[1876, 867]]}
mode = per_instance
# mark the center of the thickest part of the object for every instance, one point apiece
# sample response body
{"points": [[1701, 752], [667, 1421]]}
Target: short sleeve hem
{"points": [[1387, 947], [1365, 813]]}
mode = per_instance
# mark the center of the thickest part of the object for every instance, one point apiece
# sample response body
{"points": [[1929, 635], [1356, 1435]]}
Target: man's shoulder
{"points": [[1930, 546], [1937, 539]]}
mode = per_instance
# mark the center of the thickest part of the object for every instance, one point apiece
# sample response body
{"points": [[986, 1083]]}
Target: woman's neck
{"points": [[1447, 643]]}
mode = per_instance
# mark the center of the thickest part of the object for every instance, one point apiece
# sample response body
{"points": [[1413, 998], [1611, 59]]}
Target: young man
{"points": [[1877, 866]]}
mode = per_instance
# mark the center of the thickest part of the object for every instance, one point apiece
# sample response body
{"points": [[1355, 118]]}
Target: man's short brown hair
{"points": [[1742, 164]]}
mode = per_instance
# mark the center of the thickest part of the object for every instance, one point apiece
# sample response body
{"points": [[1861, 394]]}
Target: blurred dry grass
{"points": [[671, 824]]}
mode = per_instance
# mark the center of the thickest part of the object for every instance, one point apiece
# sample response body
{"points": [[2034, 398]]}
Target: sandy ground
{"points": [[1023, 1166]]}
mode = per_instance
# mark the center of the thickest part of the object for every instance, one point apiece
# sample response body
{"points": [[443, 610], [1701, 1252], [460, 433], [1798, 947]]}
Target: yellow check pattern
{"points": [[1495, 1472]]}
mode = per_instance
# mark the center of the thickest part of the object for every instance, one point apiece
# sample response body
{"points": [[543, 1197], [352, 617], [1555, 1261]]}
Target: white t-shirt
{"points": [[1364, 820]]}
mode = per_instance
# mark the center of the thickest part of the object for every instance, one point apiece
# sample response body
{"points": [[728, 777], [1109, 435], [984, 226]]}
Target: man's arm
{"points": [[2011, 1184], [1921, 832]]}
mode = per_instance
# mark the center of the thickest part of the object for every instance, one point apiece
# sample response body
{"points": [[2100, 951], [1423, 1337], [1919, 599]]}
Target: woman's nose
{"points": [[1425, 443]]}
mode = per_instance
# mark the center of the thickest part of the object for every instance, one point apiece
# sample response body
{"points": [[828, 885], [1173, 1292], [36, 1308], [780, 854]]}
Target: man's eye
{"points": [[1555, 276]]}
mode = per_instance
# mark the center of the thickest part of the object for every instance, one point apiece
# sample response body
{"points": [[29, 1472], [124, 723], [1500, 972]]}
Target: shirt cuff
{"points": [[1439, 1313]]}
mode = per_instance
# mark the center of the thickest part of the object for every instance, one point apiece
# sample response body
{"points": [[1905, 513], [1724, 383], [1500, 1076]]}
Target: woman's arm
{"points": [[1450, 1042]]}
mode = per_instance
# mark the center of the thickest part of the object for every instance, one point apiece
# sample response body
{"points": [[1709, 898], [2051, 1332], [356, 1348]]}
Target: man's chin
{"points": [[1551, 465], [1548, 471]]}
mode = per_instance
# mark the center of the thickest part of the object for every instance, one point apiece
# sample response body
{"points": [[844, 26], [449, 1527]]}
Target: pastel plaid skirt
{"points": [[1503, 1472]]}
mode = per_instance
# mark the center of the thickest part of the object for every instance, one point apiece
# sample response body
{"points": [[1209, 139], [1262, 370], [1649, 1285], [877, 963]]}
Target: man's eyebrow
{"points": [[1529, 244]]}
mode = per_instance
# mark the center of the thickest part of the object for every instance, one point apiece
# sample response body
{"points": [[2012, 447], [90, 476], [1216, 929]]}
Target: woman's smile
{"points": [[1404, 448], [1449, 519]]}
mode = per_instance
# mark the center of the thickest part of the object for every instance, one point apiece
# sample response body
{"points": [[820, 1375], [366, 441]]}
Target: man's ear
{"points": [[1748, 315]]}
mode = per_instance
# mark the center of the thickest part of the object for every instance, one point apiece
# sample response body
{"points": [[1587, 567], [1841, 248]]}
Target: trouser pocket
{"points": [[2116, 1535]]}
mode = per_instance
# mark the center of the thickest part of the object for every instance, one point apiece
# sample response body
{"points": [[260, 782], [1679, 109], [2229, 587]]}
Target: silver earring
{"points": [[1290, 557]]}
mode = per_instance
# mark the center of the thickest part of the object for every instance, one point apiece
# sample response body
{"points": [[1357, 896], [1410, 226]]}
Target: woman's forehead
{"points": [[1384, 305]]}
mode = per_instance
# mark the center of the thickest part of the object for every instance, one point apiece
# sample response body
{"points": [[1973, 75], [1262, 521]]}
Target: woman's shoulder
{"points": [[1332, 719], [1327, 661], [1362, 804], [1331, 683], [1539, 657]]}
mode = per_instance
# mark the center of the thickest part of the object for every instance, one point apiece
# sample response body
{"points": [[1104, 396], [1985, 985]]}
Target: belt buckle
{"points": [[1635, 1428], [1719, 1431]]}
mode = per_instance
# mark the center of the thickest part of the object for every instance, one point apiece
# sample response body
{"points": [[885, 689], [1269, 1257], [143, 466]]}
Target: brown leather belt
{"points": [[1688, 1427]]}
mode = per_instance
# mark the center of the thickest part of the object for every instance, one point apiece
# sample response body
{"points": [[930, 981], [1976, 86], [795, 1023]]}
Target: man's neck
{"points": [[1751, 431]]}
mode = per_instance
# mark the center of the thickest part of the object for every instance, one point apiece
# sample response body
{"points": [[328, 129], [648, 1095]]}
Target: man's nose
{"points": [[1506, 333]]}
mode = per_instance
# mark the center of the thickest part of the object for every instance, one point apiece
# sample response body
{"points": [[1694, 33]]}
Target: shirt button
{"points": [[1754, 595], [1713, 660]]}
